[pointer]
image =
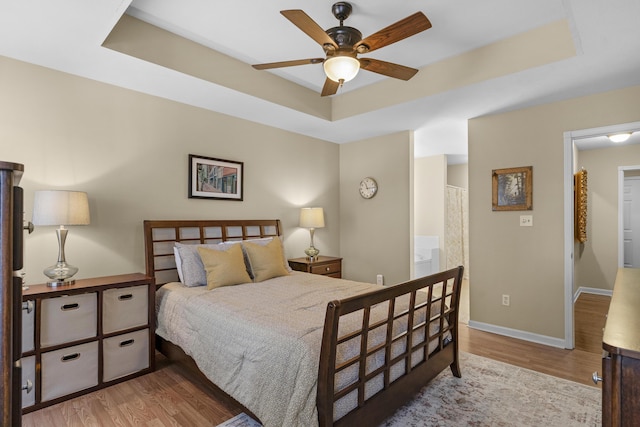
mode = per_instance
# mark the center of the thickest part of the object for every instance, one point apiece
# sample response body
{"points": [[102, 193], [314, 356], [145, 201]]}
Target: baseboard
{"points": [[515, 333], [593, 291]]}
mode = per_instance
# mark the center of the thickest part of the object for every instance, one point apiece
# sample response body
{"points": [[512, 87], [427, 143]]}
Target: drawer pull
{"points": [[328, 269], [125, 297], [126, 343], [70, 357], [28, 386], [596, 377], [27, 305], [68, 307]]}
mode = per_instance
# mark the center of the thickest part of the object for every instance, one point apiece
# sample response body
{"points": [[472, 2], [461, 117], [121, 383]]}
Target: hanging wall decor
{"points": [[211, 178], [580, 216], [512, 189]]}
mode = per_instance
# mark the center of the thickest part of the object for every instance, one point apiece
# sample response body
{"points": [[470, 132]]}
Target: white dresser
{"points": [[80, 338]]}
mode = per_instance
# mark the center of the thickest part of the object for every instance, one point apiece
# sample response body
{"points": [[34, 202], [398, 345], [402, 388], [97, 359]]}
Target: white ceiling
{"points": [[66, 35]]}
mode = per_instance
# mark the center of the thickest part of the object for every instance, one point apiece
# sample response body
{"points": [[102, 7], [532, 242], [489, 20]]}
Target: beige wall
{"points": [[527, 262], [376, 233], [429, 199], [129, 152], [597, 259], [458, 175]]}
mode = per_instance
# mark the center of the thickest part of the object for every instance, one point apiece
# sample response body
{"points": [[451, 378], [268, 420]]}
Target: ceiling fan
{"points": [[342, 45]]}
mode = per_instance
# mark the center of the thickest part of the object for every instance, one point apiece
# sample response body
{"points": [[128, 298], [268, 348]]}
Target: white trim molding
{"points": [[521, 335], [593, 291]]}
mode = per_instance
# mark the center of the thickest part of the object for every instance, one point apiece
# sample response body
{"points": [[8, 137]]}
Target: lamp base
{"points": [[311, 252], [60, 283], [60, 274]]}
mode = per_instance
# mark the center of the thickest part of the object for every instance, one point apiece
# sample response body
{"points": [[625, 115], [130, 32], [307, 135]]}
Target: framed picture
{"points": [[512, 189], [580, 217], [211, 178]]}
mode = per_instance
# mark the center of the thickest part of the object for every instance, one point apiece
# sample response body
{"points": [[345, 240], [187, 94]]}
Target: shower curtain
{"points": [[457, 232]]}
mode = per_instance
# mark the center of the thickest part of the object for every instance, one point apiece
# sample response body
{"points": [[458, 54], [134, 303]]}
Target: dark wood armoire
{"points": [[11, 235]]}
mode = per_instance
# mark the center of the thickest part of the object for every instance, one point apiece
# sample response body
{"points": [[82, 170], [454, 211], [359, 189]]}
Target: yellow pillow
{"points": [[265, 261], [224, 268]]}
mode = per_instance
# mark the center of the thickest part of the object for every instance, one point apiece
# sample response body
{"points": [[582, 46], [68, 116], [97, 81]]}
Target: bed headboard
{"points": [[160, 236]]}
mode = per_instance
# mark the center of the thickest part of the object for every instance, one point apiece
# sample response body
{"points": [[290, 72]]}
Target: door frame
{"points": [[569, 150], [621, 171]]}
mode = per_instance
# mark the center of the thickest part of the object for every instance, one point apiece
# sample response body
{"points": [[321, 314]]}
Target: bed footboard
{"points": [[392, 370]]}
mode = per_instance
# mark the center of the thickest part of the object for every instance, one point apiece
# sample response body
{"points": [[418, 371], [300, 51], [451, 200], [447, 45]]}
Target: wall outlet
{"points": [[506, 300], [380, 279], [526, 220]]}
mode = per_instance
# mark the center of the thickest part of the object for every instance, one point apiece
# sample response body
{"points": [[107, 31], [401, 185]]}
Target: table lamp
{"points": [[311, 218], [61, 208]]}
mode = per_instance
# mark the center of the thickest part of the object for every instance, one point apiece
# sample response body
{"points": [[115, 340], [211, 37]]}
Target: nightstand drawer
{"points": [[68, 318], [69, 370], [28, 381], [125, 308], [125, 354], [28, 326], [326, 268]]}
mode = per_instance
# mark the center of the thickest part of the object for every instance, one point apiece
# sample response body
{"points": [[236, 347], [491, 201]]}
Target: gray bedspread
{"points": [[259, 342]]}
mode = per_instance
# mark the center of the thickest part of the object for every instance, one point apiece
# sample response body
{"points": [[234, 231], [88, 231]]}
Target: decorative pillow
{"points": [[224, 268], [261, 241], [265, 261], [190, 268]]}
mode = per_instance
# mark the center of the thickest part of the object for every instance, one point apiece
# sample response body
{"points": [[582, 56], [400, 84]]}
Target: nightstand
{"points": [[80, 338], [324, 265]]}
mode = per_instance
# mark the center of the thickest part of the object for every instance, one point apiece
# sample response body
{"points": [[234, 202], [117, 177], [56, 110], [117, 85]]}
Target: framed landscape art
{"points": [[512, 189], [211, 178]]}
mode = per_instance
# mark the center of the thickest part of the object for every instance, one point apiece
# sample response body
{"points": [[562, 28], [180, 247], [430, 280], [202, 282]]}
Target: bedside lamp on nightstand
{"points": [[57, 207], [311, 218]]}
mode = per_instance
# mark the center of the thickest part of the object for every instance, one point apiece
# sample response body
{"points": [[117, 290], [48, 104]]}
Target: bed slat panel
{"points": [[443, 290], [161, 235]]}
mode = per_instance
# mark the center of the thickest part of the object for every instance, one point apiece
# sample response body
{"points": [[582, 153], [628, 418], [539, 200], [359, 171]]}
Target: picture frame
{"points": [[580, 204], [512, 189], [212, 178]]}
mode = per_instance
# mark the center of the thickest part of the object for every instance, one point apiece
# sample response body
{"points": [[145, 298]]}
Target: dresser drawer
{"points": [[125, 354], [69, 370], [28, 381], [28, 326], [68, 318], [328, 268], [125, 308]]}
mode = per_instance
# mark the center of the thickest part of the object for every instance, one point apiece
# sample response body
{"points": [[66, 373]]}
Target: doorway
{"points": [[572, 142], [629, 216]]}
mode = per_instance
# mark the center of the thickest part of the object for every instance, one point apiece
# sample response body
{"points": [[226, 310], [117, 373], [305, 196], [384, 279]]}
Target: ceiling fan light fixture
{"points": [[341, 68], [619, 137]]}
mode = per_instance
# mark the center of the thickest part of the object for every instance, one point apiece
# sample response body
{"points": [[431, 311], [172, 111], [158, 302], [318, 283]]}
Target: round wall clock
{"points": [[368, 187]]}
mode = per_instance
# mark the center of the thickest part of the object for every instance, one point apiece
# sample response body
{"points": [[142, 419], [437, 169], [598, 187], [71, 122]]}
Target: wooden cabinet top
{"points": [[81, 285], [318, 260], [623, 321]]}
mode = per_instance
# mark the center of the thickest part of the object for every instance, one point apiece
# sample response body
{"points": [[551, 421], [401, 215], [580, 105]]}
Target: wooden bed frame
{"points": [[160, 237]]}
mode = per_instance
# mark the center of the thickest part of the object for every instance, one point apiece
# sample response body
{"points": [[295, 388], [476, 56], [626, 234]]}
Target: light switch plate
{"points": [[526, 220]]}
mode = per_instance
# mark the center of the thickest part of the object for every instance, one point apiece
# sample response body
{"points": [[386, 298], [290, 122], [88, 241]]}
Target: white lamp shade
{"points": [[58, 207], [312, 217], [343, 68]]}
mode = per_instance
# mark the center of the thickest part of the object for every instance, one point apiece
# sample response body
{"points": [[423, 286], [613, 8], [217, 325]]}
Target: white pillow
{"points": [[190, 267]]}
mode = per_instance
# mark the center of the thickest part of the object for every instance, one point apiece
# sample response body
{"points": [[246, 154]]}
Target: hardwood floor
{"points": [[576, 365], [171, 397], [591, 314]]}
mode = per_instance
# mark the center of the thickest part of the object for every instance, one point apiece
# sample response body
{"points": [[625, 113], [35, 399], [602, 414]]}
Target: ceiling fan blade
{"points": [[308, 26], [387, 68], [402, 29], [330, 87], [288, 63]]}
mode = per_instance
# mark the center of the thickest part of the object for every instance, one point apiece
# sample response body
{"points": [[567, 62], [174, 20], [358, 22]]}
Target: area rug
{"points": [[492, 393]]}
